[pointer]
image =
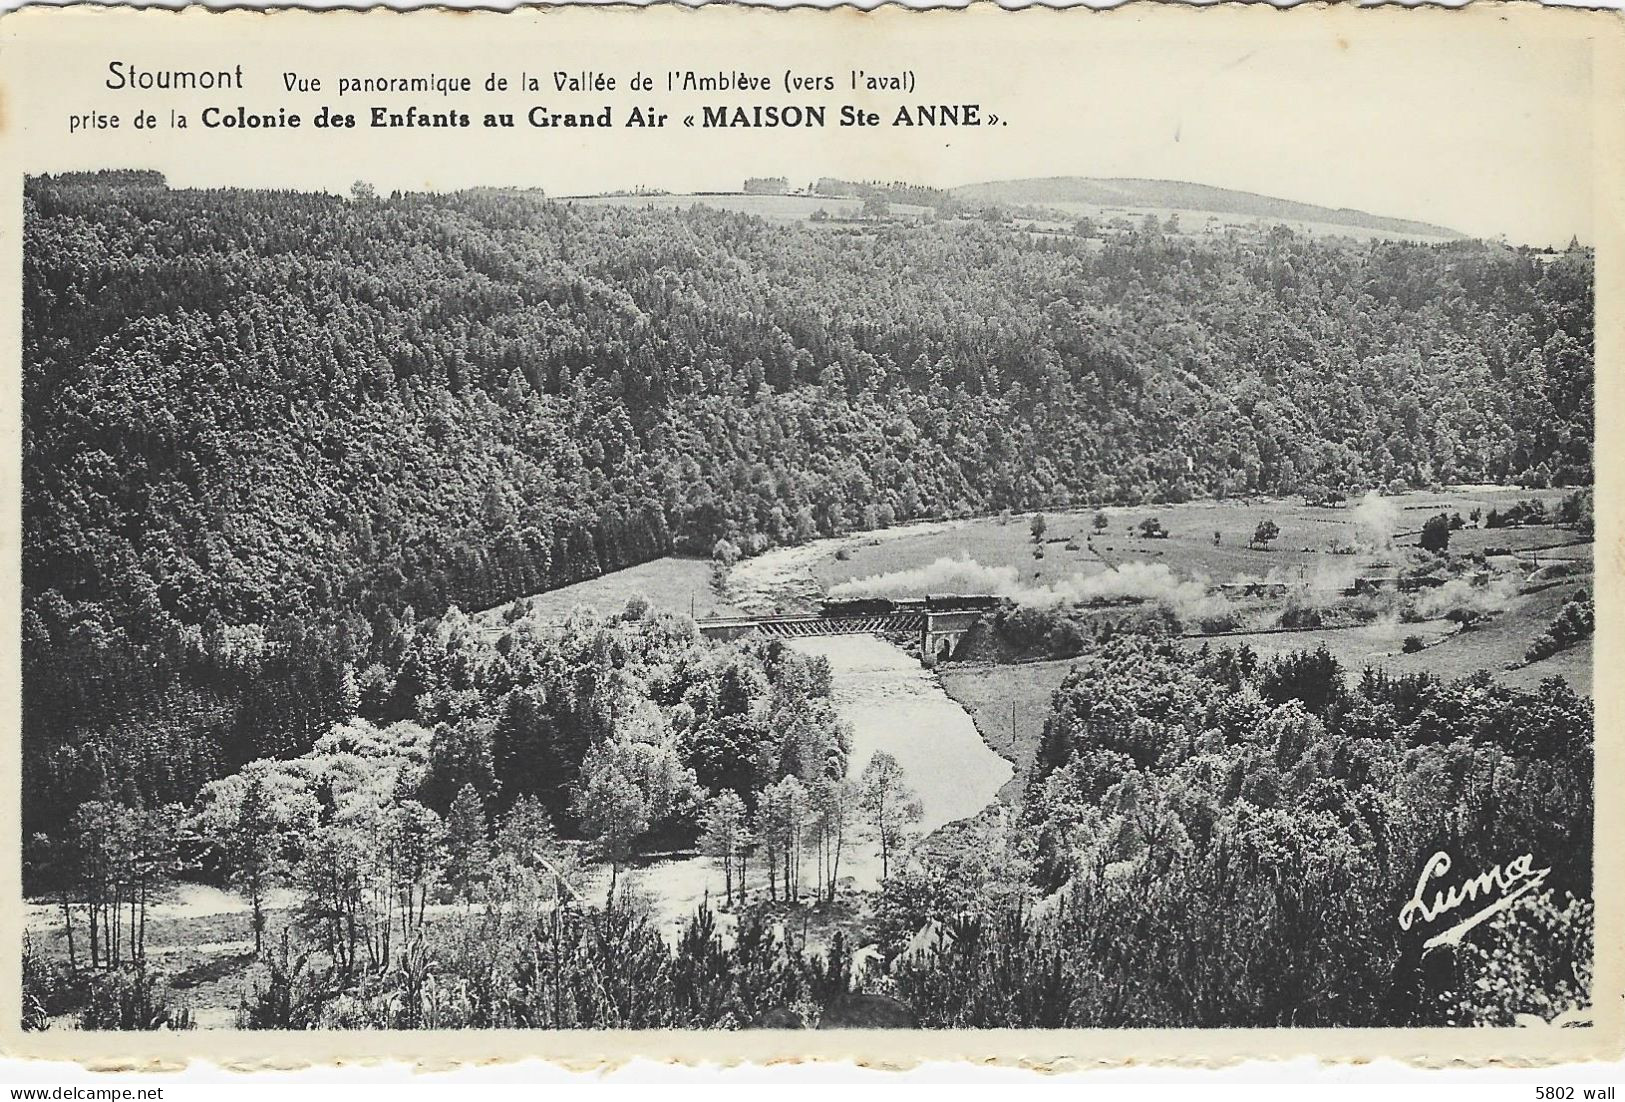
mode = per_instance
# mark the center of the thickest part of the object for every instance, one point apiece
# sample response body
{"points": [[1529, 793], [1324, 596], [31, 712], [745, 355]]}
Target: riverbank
{"points": [[895, 705]]}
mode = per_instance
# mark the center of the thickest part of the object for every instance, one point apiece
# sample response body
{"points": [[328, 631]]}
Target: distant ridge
{"points": [[1179, 195]]}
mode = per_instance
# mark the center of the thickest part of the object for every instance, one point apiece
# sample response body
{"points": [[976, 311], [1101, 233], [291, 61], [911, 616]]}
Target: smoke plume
{"points": [[1459, 593], [1378, 520], [964, 575]]}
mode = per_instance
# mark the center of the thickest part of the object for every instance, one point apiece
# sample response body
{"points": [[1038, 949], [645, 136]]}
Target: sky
{"points": [[1439, 116]]}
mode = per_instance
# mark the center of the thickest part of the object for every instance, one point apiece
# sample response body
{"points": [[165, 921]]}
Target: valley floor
{"points": [[966, 734]]}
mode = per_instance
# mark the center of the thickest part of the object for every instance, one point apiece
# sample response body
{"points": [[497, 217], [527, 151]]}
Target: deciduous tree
{"points": [[889, 804]]}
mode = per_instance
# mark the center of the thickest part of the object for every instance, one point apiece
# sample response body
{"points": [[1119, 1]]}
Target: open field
{"points": [[793, 577], [1190, 551], [774, 208], [678, 585], [1573, 665], [200, 937], [1009, 704], [1200, 209], [1376, 645], [1547, 541], [1195, 222], [1503, 640]]}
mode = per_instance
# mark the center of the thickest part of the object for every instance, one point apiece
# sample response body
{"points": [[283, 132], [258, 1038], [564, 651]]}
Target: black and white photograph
{"points": [[1130, 568]]}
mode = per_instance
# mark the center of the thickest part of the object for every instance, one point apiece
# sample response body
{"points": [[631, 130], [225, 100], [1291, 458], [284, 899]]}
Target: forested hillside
{"points": [[265, 432]]}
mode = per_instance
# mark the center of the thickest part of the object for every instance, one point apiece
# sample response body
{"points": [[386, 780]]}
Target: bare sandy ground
{"points": [[783, 579]]}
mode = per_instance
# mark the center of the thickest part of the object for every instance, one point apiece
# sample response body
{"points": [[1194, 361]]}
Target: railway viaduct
{"points": [[940, 631]]}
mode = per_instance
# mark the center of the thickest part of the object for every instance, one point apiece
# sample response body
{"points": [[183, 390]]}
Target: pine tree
{"points": [[253, 852], [468, 851], [723, 836]]}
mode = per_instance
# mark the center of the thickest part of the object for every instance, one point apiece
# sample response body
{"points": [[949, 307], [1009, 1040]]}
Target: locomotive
{"points": [[886, 606]]}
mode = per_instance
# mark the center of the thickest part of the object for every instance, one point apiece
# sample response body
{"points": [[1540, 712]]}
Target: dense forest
{"points": [[1175, 790], [264, 430]]}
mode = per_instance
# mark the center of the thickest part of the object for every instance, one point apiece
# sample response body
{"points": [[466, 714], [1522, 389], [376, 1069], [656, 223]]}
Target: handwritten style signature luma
{"points": [[1499, 887]]}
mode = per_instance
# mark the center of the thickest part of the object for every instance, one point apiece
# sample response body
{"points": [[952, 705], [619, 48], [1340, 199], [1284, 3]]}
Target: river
{"points": [[893, 704]]}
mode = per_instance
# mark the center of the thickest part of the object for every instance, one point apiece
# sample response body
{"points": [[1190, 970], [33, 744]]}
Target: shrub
{"points": [[283, 994], [1412, 644], [1066, 639], [1557, 570], [50, 990], [1465, 616], [1436, 534], [1533, 961], [1528, 511], [1157, 621], [1299, 617], [131, 998], [1575, 510], [1573, 624], [725, 553]]}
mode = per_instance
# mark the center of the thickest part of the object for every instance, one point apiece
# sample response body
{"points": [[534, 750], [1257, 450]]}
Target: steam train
{"points": [[885, 606]]}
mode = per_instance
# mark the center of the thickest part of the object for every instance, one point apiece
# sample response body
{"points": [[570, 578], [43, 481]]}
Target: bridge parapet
{"points": [[940, 632], [797, 626]]}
